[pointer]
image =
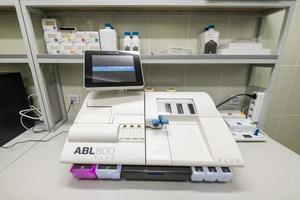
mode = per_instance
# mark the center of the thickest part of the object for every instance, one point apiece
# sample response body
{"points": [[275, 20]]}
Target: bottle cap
{"points": [[127, 33], [135, 33], [108, 25], [211, 26]]}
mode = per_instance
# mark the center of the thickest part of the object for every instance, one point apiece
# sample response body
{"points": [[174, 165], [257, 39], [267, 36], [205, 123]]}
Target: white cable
{"points": [[36, 110], [21, 121], [31, 95], [24, 112]]}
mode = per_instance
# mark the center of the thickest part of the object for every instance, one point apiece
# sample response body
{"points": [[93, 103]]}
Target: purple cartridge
{"points": [[84, 171]]}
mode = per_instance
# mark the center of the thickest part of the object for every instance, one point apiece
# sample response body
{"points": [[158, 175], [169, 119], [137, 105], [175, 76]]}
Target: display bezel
{"points": [[88, 71]]}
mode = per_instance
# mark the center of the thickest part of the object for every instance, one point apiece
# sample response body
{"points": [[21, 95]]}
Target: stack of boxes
{"points": [[68, 41], [51, 35]]}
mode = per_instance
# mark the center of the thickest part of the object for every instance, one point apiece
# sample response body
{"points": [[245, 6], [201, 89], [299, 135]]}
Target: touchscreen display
{"points": [[113, 69]]}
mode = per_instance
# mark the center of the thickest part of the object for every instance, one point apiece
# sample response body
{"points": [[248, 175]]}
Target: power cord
{"points": [[41, 140], [253, 96], [38, 113]]}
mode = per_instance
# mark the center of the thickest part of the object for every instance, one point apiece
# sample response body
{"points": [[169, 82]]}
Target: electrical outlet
{"points": [[235, 100], [255, 107], [73, 98]]}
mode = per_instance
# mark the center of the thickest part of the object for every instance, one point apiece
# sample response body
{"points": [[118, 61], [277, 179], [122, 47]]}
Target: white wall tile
{"points": [[167, 32], [11, 40]]}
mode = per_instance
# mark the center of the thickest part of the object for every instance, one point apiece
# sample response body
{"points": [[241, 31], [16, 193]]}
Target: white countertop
{"points": [[271, 172]]}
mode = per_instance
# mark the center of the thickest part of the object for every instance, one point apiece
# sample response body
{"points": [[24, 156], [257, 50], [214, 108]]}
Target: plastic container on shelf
{"points": [[108, 38], [208, 40], [135, 41], [127, 42]]}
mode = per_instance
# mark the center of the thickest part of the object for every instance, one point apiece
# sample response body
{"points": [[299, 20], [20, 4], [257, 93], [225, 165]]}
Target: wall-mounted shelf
{"points": [[13, 58], [263, 6], [268, 60]]}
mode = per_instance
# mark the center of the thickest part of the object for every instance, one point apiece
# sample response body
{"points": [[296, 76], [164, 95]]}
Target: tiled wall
{"points": [[219, 81], [11, 40], [283, 120]]}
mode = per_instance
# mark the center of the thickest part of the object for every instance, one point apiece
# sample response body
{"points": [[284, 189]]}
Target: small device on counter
{"points": [[243, 130], [208, 40]]}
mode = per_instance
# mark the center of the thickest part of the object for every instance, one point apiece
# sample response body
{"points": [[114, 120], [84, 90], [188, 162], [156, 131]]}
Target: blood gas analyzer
{"points": [[123, 132]]}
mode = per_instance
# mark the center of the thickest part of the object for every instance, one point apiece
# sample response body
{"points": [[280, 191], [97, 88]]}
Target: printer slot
{"points": [[168, 108], [179, 108], [191, 108]]}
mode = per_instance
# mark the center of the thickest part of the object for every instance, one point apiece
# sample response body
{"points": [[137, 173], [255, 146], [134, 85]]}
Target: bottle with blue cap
{"points": [[208, 40], [135, 41], [127, 41], [108, 38]]}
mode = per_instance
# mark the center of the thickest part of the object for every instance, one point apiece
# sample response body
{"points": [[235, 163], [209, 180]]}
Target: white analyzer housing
{"points": [[153, 135]]}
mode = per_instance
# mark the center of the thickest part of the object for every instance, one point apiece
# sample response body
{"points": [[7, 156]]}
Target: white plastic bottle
{"points": [[135, 41], [209, 40], [127, 42], [108, 38]]}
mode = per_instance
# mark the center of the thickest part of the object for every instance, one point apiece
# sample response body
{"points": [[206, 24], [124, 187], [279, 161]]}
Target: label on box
{"points": [[79, 48], [79, 37], [49, 24], [92, 36], [67, 48], [93, 46], [65, 36], [53, 48], [51, 36]]}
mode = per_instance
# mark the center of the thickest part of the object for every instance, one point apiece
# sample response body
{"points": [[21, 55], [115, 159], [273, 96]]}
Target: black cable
{"points": [[41, 140], [253, 96], [69, 108]]}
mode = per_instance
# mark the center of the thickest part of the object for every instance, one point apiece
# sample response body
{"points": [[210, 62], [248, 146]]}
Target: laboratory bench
{"points": [[33, 171]]}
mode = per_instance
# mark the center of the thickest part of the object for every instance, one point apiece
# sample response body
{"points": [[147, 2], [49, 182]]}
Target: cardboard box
{"points": [[67, 48], [51, 36], [93, 46], [79, 48], [79, 37], [53, 48], [92, 37], [50, 24], [65, 36]]}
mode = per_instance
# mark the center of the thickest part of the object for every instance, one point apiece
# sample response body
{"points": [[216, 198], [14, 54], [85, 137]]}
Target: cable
{"points": [[244, 109], [69, 108], [41, 140], [38, 113], [253, 96]]}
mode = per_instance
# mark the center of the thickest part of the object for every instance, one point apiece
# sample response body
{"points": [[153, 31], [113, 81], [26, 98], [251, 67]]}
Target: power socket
{"points": [[255, 107], [73, 98]]}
